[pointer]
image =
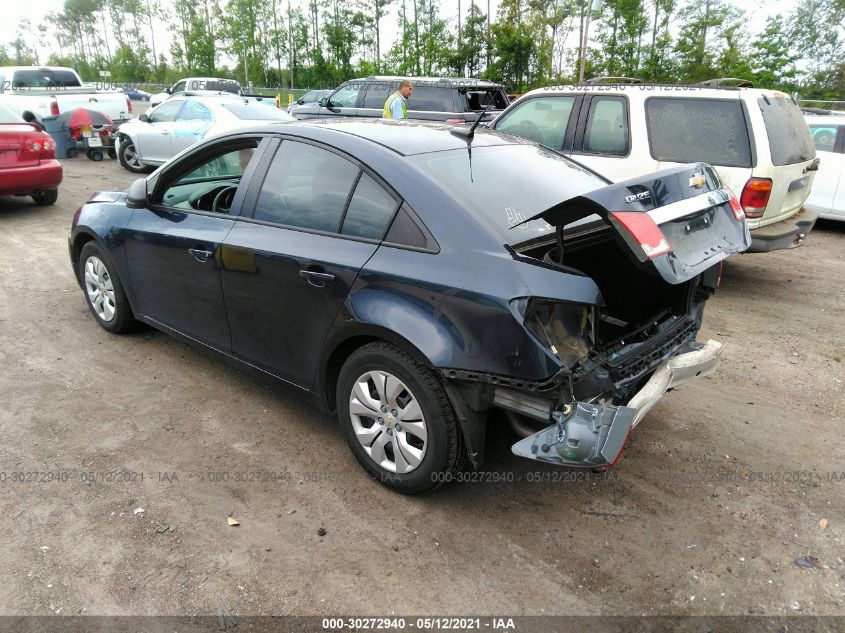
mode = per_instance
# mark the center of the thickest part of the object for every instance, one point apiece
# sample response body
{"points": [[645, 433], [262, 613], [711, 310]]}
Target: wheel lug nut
{"points": [[383, 409], [381, 420], [394, 412], [389, 431]]}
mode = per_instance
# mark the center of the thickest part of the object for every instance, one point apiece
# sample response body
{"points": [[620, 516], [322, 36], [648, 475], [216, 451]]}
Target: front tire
{"points": [[103, 290], [397, 419], [128, 157]]}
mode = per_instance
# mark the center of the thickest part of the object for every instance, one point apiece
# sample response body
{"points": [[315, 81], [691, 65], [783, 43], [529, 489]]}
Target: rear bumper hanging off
{"points": [[588, 435]]}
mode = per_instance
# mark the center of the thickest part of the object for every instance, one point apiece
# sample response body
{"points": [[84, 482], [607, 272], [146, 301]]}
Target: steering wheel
{"points": [[223, 200]]}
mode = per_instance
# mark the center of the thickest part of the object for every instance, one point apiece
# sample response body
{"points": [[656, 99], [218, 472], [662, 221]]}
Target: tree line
{"points": [[527, 44]]}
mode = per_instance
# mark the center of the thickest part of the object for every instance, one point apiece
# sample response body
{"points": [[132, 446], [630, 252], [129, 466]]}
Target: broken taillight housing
{"points": [[565, 329], [644, 231], [736, 207], [755, 197]]}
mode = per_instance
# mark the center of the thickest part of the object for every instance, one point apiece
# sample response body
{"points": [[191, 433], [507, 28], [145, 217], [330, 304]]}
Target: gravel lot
{"points": [[727, 482]]}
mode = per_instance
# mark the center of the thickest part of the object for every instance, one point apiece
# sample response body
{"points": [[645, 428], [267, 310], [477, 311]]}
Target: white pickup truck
{"points": [[40, 92]]}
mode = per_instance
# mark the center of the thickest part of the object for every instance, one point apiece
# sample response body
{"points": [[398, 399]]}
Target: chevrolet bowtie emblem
{"points": [[697, 181]]}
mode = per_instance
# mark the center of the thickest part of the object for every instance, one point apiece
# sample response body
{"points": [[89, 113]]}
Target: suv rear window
{"points": [[789, 137], [692, 130], [477, 98], [431, 99]]}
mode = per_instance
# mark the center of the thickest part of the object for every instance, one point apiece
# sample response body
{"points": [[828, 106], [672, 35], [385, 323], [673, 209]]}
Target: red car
{"points": [[28, 165]]}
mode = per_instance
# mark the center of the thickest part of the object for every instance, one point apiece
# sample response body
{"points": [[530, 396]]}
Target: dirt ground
{"points": [[726, 483]]}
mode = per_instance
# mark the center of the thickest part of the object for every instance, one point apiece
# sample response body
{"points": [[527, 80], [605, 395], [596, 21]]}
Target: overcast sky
{"points": [[36, 10]]}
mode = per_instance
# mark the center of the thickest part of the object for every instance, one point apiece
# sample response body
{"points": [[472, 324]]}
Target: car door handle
{"points": [[316, 278], [200, 255]]}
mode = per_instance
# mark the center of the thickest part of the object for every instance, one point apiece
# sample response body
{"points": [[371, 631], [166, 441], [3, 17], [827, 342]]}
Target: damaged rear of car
{"points": [[655, 252], [609, 285]]}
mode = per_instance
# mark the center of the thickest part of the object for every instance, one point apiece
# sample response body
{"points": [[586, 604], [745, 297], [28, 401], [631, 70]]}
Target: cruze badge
{"points": [[642, 195], [697, 181]]}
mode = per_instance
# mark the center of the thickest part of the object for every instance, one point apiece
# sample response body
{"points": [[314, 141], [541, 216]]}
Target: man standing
{"points": [[396, 107]]}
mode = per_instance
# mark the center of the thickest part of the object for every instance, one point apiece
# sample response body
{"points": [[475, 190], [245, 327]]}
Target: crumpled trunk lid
{"points": [[676, 223]]}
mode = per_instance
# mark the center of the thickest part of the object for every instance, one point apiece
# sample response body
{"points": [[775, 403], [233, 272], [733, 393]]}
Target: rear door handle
{"points": [[200, 255], [316, 278]]}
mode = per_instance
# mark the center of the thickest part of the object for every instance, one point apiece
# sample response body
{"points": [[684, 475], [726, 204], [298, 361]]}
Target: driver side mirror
{"points": [[143, 117], [168, 91], [136, 196], [324, 102]]}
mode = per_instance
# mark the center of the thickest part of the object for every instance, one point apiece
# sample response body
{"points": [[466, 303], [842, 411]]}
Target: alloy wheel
{"points": [[130, 155], [100, 289], [388, 421]]}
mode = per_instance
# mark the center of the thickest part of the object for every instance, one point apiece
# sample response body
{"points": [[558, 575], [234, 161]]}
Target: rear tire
{"points": [[46, 198], [71, 152], [95, 155], [380, 390], [129, 157], [103, 290]]}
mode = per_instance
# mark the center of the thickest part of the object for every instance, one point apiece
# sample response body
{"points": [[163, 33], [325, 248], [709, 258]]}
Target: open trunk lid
{"points": [[677, 222]]}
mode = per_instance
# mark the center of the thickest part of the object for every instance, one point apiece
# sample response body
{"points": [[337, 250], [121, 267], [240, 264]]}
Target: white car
{"points": [[196, 84], [152, 139], [828, 195], [756, 139]]}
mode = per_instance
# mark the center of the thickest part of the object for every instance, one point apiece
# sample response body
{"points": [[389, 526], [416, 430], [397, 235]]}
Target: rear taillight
{"points": [[54, 108], [736, 207], [128, 105], [40, 147], [646, 233], [48, 148], [755, 196]]}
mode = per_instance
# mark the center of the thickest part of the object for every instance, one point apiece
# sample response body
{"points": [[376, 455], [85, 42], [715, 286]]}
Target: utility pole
{"points": [[488, 34], [592, 5], [291, 52], [243, 44]]}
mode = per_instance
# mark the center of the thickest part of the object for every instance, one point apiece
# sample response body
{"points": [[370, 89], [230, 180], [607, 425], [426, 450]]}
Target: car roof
{"points": [[675, 90], [461, 81], [406, 138]]}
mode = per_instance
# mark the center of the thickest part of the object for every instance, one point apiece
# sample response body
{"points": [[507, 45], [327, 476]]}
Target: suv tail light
{"points": [[755, 196], [54, 108], [646, 233], [48, 148], [128, 106]]}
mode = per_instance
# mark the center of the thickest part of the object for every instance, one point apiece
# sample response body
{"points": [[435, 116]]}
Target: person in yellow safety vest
{"points": [[396, 106]]}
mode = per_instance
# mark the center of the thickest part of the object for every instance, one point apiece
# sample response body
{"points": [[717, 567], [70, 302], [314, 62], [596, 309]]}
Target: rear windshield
{"points": [[789, 137], [698, 130], [44, 78], [7, 116], [256, 112], [477, 98], [509, 183], [428, 98]]}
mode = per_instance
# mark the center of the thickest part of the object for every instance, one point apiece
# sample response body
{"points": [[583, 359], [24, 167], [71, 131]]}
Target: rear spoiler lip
{"points": [[651, 192]]}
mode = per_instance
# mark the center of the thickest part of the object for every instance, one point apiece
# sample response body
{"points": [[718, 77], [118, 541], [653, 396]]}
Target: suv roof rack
{"points": [[726, 82], [612, 80]]}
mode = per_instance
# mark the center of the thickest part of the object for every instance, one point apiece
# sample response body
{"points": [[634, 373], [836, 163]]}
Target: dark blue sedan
{"points": [[414, 277]]}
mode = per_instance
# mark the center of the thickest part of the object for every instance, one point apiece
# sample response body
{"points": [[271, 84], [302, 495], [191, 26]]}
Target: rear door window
{"points": [[378, 92], [194, 111], [541, 119], [607, 127], [370, 210], [690, 130], [789, 137], [431, 99]]}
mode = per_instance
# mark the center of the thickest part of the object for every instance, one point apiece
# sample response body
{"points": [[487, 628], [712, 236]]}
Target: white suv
{"points": [[757, 139]]}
